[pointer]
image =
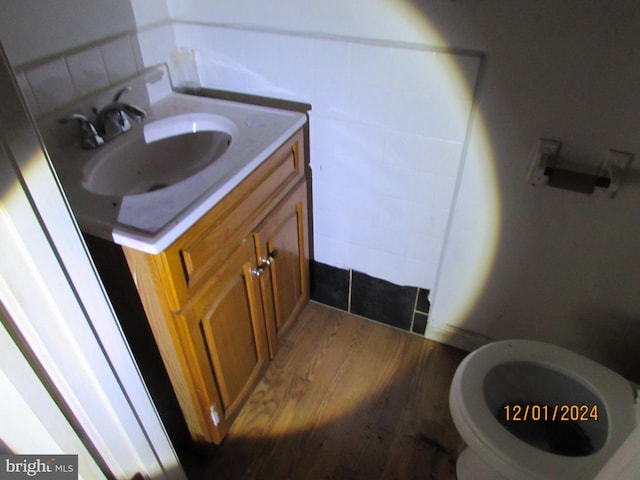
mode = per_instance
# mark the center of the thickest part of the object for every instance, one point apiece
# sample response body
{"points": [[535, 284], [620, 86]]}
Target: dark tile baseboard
{"points": [[382, 301], [402, 307], [330, 285]]}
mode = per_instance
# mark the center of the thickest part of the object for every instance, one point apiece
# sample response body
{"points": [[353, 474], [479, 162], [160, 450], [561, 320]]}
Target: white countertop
{"points": [[151, 221]]}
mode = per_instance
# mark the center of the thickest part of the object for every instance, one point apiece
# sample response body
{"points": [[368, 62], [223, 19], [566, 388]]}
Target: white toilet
{"points": [[496, 386]]}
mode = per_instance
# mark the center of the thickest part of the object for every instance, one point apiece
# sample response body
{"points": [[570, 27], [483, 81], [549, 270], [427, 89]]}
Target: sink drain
{"points": [[157, 186]]}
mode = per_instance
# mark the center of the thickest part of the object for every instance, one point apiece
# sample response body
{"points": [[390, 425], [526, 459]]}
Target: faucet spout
{"points": [[112, 120]]}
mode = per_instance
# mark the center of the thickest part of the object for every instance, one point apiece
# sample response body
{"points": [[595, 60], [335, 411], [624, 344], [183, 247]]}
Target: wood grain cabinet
{"points": [[219, 298], [281, 245]]}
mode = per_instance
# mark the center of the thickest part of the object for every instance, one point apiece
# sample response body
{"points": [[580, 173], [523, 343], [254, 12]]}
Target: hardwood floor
{"points": [[344, 399]]}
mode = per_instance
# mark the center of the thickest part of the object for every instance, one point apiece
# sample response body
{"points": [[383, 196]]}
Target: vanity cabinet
{"points": [[219, 298]]}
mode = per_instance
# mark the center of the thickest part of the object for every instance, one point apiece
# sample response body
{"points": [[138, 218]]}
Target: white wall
{"points": [[565, 268], [32, 29], [71, 49]]}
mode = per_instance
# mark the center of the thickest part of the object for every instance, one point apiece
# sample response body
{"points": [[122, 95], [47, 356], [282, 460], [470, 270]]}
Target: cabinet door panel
{"points": [[228, 331], [223, 329], [285, 270], [281, 243]]}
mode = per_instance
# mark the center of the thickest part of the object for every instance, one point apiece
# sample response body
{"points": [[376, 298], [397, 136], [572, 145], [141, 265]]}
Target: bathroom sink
{"points": [[146, 187], [165, 153]]}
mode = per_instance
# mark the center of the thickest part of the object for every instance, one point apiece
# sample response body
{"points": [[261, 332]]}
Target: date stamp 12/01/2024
{"points": [[545, 413]]}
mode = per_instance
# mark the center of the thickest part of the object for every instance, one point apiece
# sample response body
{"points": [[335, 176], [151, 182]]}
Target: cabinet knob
{"points": [[270, 258], [257, 271]]}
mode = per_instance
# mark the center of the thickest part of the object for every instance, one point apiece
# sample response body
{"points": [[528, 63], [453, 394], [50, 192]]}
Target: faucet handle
{"points": [[89, 136], [116, 97], [136, 113]]}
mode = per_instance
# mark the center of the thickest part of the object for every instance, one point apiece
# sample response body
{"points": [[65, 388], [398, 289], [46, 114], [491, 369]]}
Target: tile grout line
{"points": [[415, 309], [349, 293]]}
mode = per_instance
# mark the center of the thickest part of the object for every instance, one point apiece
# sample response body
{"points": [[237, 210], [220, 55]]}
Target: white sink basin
{"points": [[146, 187], [165, 155]]}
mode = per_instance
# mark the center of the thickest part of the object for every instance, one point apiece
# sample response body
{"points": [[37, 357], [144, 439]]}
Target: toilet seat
{"points": [[511, 456]]}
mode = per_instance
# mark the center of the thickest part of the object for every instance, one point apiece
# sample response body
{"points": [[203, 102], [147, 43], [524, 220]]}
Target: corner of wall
{"points": [[456, 337]]}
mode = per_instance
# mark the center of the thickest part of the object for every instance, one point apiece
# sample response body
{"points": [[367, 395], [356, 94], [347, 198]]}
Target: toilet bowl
{"points": [[529, 410]]}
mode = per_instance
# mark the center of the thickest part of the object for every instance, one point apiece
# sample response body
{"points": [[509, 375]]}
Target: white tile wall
{"points": [[51, 84], [55, 82], [220, 56], [296, 61], [261, 57], [156, 44], [88, 71], [119, 59], [387, 133]]}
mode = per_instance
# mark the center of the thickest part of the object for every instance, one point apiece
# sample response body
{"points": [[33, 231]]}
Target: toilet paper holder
{"points": [[547, 168]]}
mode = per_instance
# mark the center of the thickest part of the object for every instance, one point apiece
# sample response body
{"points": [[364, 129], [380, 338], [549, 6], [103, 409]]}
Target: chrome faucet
{"points": [[89, 136], [112, 120]]}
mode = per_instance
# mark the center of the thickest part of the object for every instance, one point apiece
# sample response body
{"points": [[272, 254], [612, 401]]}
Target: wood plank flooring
{"points": [[344, 399]]}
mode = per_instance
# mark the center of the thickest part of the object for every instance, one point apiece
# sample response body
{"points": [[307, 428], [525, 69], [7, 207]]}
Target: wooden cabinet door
{"points": [[282, 250], [223, 336]]}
